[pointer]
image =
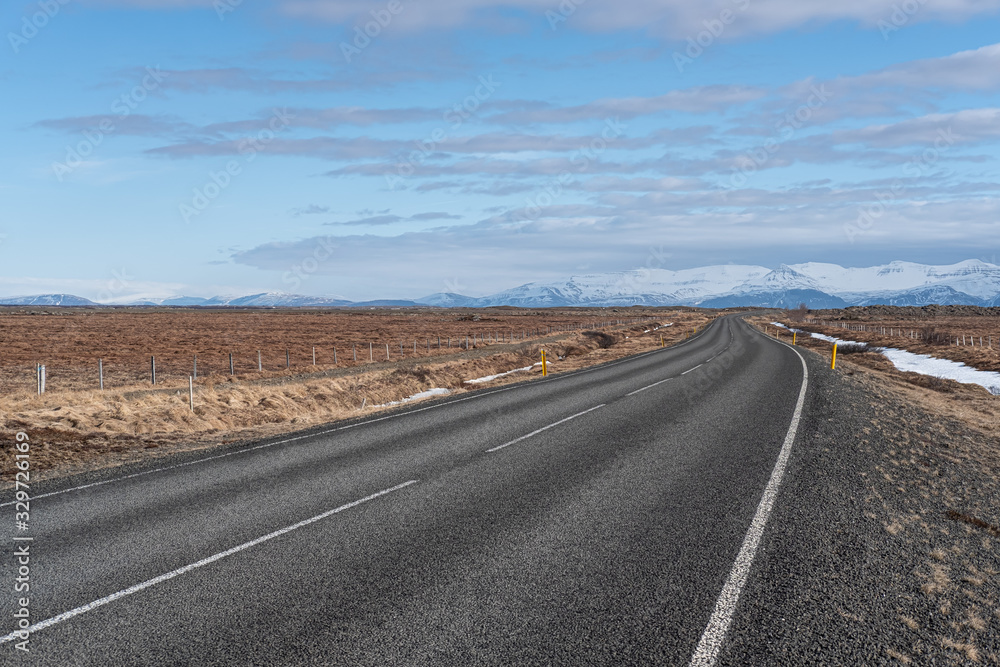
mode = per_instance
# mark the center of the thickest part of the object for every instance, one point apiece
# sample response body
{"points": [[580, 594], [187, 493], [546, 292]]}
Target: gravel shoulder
{"points": [[882, 548]]}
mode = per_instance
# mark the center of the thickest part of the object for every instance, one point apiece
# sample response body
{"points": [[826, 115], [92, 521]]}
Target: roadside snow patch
{"points": [[925, 364], [436, 391], [490, 378]]}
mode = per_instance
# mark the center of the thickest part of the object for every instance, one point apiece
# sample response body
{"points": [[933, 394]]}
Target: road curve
{"points": [[596, 517]]}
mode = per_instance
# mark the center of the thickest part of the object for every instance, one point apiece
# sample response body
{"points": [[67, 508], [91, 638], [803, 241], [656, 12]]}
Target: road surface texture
{"points": [[635, 513]]}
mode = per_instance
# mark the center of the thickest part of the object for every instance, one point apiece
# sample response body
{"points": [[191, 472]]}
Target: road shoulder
{"points": [[882, 546]]}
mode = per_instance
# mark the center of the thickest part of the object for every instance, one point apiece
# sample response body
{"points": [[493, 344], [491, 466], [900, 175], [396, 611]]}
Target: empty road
{"points": [[602, 517]]}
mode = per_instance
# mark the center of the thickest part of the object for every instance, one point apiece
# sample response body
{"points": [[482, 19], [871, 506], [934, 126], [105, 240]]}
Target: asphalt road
{"points": [[599, 517]]}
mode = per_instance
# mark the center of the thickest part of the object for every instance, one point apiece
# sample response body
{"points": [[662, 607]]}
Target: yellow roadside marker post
{"points": [[545, 368], [661, 340], [794, 334], [833, 362]]}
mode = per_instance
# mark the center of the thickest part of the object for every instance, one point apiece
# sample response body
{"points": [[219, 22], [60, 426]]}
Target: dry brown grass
{"points": [[969, 651], [70, 341], [934, 336], [968, 403], [76, 430]]}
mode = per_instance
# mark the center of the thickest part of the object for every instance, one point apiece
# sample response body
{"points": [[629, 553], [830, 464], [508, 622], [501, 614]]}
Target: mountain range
{"points": [[971, 282]]}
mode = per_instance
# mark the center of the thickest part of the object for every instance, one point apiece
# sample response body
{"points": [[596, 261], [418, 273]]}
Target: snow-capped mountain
{"points": [[818, 285], [262, 300], [46, 300]]}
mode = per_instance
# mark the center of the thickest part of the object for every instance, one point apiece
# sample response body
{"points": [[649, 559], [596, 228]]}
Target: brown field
{"points": [[967, 403], [933, 330], [77, 427], [70, 341]]}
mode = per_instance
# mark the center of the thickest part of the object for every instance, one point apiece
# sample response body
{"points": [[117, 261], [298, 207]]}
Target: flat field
{"points": [[71, 341], [967, 334]]}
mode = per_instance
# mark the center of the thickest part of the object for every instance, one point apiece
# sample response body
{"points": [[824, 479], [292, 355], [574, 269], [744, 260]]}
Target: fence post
{"points": [[196, 367], [334, 356], [371, 352], [260, 364], [100, 371], [387, 351], [288, 359], [355, 348], [152, 368], [231, 370], [43, 378], [191, 392]]}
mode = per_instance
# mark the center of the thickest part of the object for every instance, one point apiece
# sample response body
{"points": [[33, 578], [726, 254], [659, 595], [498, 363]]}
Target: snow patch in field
{"points": [[490, 378], [436, 391], [925, 364], [943, 368]]}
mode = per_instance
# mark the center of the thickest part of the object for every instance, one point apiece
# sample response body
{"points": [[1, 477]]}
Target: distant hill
{"points": [[46, 300], [972, 283]]}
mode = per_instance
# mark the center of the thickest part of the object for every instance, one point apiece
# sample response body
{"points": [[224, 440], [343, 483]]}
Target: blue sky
{"points": [[202, 147]]}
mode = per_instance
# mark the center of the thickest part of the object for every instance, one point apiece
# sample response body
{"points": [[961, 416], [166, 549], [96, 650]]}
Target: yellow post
{"points": [[661, 340], [545, 368], [833, 362], [794, 333]]}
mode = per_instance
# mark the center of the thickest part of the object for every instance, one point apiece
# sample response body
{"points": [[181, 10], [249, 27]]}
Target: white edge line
{"points": [[692, 369], [478, 394], [66, 615], [650, 386], [544, 428], [707, 652]]}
